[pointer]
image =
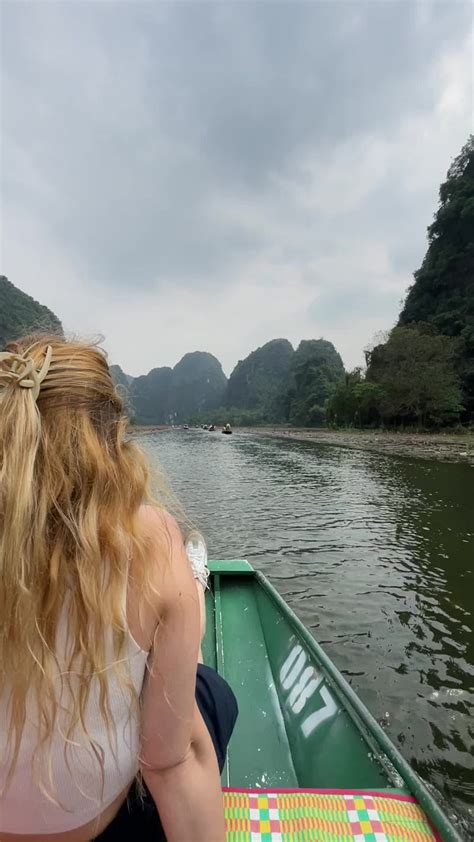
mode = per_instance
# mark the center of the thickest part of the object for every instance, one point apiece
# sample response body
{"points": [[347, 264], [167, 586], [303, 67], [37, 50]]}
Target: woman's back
{"points": [[79, 787], [100, 628], [73, 536]]}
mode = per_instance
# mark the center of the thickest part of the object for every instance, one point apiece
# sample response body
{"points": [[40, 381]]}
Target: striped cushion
{"points": [[323, 816]]}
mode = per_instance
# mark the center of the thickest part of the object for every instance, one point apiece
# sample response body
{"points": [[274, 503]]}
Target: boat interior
{"points": [[295, 728]]}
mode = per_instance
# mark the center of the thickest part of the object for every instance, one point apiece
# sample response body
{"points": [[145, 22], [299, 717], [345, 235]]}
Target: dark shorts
{"points": [[138, 818]]}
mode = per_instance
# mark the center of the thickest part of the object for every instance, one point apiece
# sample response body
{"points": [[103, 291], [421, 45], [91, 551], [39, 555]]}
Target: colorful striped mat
{"points": [[323, 816]]}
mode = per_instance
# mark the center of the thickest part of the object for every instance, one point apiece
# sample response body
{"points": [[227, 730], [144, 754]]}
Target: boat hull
{"points": [[300, 725]]}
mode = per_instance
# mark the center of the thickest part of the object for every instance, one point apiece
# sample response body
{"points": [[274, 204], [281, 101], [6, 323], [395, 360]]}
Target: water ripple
{"points": [[375, 554]]}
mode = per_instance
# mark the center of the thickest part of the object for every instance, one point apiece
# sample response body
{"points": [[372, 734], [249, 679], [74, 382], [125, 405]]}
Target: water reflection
{"points": [[376, 556]]}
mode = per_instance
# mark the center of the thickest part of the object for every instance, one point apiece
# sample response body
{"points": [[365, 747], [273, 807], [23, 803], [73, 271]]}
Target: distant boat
{"points": [[212, 428], [227, 430], [185, 426]]}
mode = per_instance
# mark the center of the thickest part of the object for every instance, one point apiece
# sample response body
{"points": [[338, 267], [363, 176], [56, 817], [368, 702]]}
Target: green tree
{"points": [[368, 397], [354, 401], [415, 372], [443, 291]]}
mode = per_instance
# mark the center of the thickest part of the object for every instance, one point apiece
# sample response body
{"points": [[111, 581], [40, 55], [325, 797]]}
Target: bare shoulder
{"points": [[157, 522], [164, 560], [167, 556]]}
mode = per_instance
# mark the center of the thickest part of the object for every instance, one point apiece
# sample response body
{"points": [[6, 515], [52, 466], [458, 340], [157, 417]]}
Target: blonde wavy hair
{"points": [[71, 485]]}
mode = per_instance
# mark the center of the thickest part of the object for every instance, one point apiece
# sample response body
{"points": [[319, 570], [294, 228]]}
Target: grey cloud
{"points": [[266, 165], [136, 116]]}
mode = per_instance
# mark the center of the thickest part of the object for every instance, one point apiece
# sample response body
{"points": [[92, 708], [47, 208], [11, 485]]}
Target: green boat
{"points": [[301, 727]]}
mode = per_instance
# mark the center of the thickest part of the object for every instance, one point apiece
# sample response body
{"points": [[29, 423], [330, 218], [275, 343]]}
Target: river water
{"points": [[376, 556]]}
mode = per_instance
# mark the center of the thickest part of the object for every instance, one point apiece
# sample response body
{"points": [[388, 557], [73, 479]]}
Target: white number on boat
{"points": [[302, 681], [314, 719], [303, 689], [292, 667]]}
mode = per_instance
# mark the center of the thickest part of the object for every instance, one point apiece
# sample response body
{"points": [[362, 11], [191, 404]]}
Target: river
{"points": [[375, 553]]}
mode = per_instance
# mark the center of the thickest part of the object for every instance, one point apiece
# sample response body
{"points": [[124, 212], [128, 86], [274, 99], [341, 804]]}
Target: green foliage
{"points": [[354, 402], [410, 379], [21, 314], [415, 373], [258, 382], [315, 369], [367, 397], [443, 292]]}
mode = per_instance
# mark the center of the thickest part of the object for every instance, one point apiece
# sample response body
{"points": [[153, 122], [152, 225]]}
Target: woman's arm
{"points": [[178, 760]]}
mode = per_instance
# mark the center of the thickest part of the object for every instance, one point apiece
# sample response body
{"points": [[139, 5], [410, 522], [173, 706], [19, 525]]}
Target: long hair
{"points": [[71, 485]]}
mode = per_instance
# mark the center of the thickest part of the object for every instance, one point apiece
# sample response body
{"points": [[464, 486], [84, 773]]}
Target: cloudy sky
{"points": [[208, 176]]}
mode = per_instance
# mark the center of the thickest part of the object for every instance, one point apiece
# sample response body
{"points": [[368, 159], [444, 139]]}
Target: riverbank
{"points": [[445, 447]]}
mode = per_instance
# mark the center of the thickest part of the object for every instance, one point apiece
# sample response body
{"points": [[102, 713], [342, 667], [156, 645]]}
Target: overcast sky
{"points": [[209, 176]]}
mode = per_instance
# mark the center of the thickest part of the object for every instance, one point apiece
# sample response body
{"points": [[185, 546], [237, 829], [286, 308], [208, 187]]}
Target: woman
{"points": [[100, 622]]}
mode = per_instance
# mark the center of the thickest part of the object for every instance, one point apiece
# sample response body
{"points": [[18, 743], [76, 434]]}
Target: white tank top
{"points": [[80, 791]]}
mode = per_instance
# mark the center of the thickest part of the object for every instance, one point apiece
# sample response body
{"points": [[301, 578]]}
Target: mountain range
{"points": [[273, 383]]}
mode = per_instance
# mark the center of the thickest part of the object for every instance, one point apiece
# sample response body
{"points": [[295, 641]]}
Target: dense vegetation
{"points": [[424, 373], [20, 314], [443, 292], [411, 379]]}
